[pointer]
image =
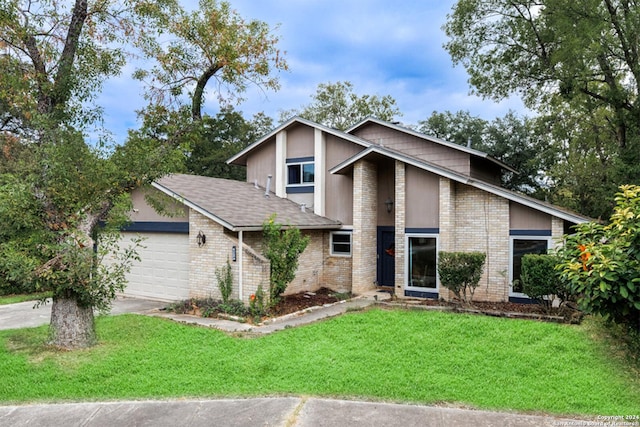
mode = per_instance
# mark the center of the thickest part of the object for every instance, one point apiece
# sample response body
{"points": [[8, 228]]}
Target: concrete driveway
{"points": [[27, 315]]}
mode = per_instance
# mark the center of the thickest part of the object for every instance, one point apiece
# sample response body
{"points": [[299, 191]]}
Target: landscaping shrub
{"points": [[540, 280], [225, 281], [460, 272], [282, 248], [600, 264], [257, 304]]}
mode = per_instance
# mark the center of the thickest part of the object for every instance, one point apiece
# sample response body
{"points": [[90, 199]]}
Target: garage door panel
{"points": [[163, 271]]}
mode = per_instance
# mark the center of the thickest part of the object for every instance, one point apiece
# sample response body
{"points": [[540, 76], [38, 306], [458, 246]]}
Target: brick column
{"points": [[447, 223], [557, 231], [400, 209], [365, 220]]}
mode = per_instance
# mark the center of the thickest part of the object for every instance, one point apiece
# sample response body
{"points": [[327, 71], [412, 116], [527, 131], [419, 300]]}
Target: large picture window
{"points": [[422, 259], [521, 246]]}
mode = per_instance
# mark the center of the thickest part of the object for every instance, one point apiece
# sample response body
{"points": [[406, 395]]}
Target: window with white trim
{"points": [[341, 243]]}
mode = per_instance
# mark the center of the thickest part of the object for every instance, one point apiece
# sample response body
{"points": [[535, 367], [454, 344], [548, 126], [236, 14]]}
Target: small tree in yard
{"points": [[282, 248], [460, 272], [540, 280]]}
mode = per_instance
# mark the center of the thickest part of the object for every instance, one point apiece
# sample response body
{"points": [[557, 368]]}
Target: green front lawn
{"points": [[12, 299], [421, 357]]}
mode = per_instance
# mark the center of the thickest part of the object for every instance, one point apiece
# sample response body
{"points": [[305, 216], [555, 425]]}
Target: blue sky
{"points": [[382, 47]]}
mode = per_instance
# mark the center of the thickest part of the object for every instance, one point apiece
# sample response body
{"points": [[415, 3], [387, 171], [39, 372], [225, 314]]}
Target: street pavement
{"points": [[275, 411]]}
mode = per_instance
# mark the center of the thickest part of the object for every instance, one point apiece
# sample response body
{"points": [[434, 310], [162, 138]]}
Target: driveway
{"points": [[27, 315]]}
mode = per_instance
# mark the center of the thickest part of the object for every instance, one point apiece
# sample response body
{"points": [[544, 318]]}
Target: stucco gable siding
{"points": [[299, 142], [411, 145], [143, 212], [339, 188], [261, 163], [524, 218], [422, 198]]}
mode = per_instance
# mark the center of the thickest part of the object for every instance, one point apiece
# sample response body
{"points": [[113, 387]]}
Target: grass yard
{"points": [[12, 299], [402, 356]]}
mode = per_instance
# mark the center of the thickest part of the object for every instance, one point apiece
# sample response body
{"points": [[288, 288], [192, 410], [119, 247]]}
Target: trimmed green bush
{"points": [[540, 280], [460, 272]]}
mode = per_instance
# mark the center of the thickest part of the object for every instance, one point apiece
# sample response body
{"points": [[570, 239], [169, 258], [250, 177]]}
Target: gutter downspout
{"points": [[240, 260]]}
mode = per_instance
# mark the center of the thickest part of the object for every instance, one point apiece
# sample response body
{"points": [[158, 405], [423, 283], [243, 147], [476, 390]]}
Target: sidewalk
{"points": [[284, 411]]}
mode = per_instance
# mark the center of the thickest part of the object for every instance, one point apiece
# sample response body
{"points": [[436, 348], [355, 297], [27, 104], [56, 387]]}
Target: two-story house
{"points": [[379, 201]]}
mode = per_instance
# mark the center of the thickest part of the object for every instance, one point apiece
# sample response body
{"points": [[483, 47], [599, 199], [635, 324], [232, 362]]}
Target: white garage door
{"points": [[163, 272]]}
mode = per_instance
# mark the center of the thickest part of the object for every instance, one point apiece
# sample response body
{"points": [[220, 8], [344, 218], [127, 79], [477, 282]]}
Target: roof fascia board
{"points": [[194, 206]]}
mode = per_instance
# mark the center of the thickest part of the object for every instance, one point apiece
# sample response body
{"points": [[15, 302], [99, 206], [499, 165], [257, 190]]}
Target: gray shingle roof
{"points": [[238, 205]]}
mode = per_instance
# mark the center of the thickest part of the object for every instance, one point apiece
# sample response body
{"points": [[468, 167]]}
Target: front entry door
{"points": [[386, 256]]}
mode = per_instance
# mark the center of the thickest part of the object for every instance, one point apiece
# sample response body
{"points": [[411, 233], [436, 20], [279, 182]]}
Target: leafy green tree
{"points": [[62, 196], [221, 137], [213, 42], [336, 105], [560, 55], [601, 263], [514, 140], [282, 248]]}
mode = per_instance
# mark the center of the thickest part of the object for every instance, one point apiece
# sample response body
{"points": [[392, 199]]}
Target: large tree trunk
{"points": [[72, 326]]}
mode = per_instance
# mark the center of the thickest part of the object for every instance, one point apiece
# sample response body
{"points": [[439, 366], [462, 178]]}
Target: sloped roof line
{"points": [[193, 206], [423, 136], [237, 205], [464, 179], [297, 119]]}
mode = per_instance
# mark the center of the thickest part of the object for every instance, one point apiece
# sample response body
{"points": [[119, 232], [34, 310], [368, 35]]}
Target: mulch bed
{"points": [[300, 301]]}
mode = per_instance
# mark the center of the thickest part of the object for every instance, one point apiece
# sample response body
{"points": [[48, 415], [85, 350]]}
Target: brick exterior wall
{"points": [[336, 269], [400, 215], [474, 220], [214, 254], [365, 212]]}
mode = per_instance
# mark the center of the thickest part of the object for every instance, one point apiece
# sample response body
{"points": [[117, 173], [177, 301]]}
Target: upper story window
{"points": [[300, 171], [300, 175]]}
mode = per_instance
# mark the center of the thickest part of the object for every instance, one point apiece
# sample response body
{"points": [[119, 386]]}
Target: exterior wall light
{"points": [[201, 238], [389, 204]]}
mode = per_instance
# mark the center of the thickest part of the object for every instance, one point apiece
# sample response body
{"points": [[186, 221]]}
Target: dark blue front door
{"points": [[386, 256]]}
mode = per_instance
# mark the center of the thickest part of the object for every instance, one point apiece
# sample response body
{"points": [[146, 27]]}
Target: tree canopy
{"points": [[336, 105], [63, 196], [573, 62], [213, 42], [511, 139]]}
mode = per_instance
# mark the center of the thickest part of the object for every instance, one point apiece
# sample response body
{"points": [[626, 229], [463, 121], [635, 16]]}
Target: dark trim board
{"points": [[543, 233], [157, 227], [422, 231], [521, 300], [300, 159], [421, 294], [300, 189]]}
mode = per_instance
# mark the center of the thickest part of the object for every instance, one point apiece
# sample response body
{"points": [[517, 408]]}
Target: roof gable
{"points": [[372, 121], [241, 157]]}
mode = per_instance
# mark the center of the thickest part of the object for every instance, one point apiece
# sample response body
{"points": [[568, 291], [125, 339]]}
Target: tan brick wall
{"points": [[474, 220], [214, 254], [400, 216], [337, 270], [365, 221]]}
